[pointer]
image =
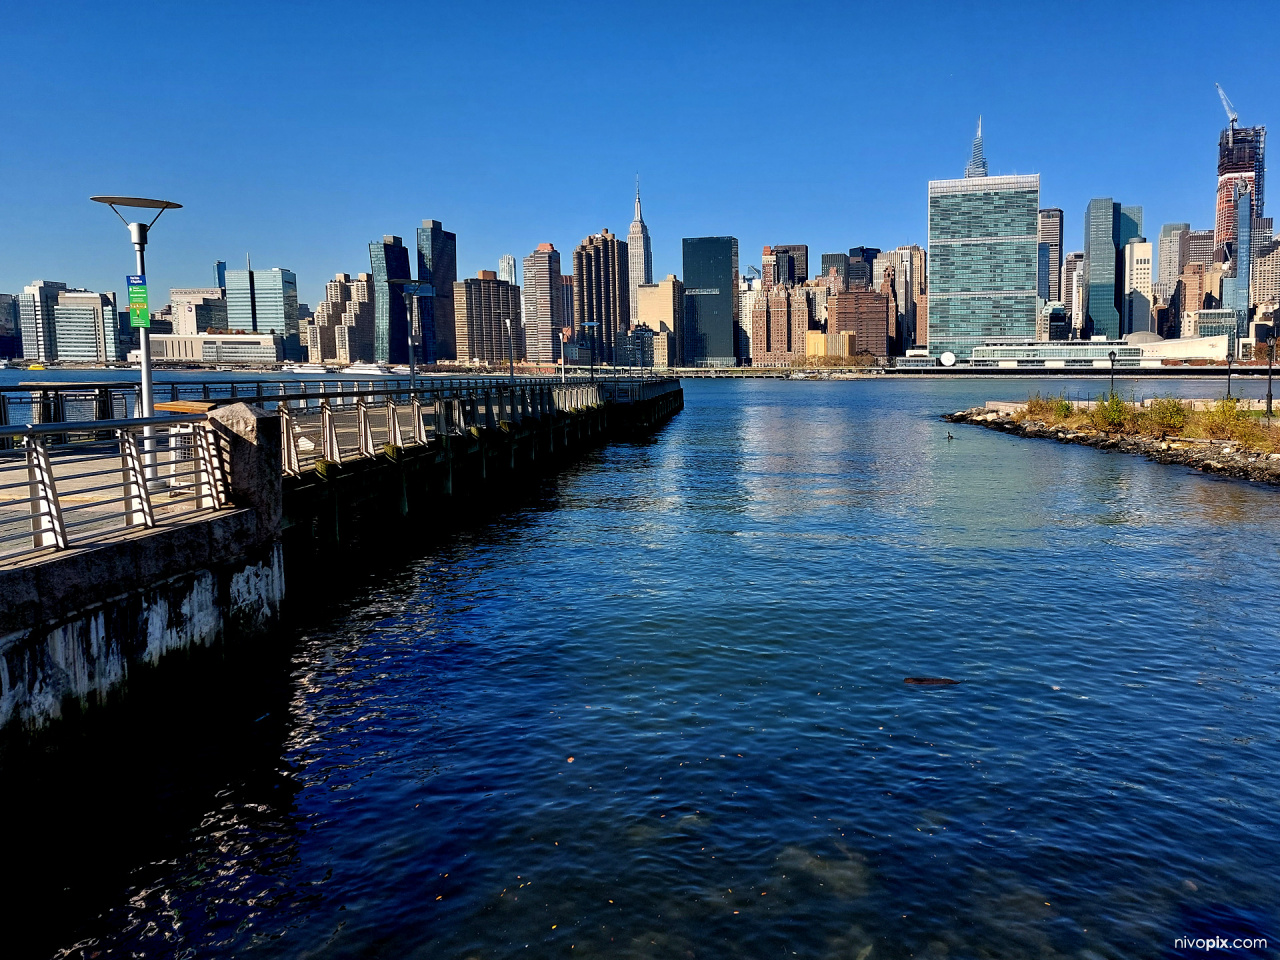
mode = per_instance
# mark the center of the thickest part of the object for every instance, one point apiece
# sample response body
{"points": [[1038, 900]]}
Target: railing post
{"points": [[288, 441], [47, 529], [137, 504], [329, 434], [492, 419], [419, 428], [366, 432], [393, 425], [5, 442]]}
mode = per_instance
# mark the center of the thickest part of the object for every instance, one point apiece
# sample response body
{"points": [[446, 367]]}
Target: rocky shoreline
{"points": [[1223, 457]]}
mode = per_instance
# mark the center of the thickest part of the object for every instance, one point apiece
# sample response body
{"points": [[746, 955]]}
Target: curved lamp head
{"points": [[1112, 356], [143, 203]]}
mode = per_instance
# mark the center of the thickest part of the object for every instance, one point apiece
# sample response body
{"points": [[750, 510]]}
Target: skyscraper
{"points": [[1137, 282], [36, 304], [1071, 265], [982, 261], [10, 327], [1241, 161], [601, 293], [488, 319], [343, 328], [1200, 247], [711, 301], [977, 166], [661, 309], [542, 308], [1174, 248], [639, 257], [389, 260], [1107, 228], [838, 262], [265, 302], [507, 269], [1235, 287], [438, 266], [1049, 232], [792, 262]]}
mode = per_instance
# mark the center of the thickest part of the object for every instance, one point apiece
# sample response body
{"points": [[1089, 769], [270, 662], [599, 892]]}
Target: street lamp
{"points": [[414, 289], [591, 325], [139, 311], [511, 351], [1112, 357], [1271, 358], [1230, 359]]}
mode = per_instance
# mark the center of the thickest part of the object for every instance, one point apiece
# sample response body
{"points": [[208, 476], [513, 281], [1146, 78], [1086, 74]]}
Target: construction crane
{"points": [[1232, 116]]}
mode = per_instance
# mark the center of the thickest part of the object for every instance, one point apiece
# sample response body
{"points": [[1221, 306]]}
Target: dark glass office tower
{"points": [[793, 262], [1107, 228], [711, 301], [438, 266], [390, 261]]}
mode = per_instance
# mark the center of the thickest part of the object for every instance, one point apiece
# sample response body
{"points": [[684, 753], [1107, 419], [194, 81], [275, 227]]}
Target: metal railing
{"points": [[64, 487], [79, 482]]}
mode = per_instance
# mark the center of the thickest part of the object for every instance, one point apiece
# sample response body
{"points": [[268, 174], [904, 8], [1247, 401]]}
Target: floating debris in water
{"points": [[930, 681]]}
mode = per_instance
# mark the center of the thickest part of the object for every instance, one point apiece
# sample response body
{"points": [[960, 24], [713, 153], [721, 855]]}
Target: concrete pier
{"points": [[75, 624]]}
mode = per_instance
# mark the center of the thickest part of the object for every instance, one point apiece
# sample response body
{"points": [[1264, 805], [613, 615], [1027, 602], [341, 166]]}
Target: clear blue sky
{"points": [[301, 131]]}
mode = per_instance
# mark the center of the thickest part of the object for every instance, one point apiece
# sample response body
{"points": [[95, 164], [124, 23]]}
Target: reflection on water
{"points": [[658, 710]]}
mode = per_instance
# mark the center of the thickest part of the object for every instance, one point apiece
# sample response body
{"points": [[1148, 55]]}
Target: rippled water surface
{"points": [[657, 710]]}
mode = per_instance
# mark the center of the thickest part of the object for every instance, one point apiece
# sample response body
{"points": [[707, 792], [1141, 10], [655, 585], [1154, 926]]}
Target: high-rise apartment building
{"points": [[389, 260], [639, 257], [1174, 249], [86, 327], [1138, 292], [342, 330], [437, 266], [601, 293], [507, 269], [865, 314], [1049, 233], [660, 308], [779, 326], [36, 305], [982, 262], [1241, 163], [711, 302], [543, 310], [487, 312], [1107, 228]]}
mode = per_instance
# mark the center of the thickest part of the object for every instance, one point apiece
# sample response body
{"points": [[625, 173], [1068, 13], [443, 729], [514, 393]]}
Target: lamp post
{"points": [[1112, 357], [140, 313], [511, 351], [1230, 359], [591, 325], [414, 289], [1271, 359]]}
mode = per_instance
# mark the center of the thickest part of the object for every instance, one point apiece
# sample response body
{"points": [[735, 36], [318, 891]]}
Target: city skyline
{"points": [[317, 217]]}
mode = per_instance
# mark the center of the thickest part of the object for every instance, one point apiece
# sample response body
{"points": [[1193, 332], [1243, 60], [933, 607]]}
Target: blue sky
{"points": [[298, 132]]}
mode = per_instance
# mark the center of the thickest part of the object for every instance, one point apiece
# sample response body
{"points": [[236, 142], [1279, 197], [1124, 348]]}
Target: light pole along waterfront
{"points": [[140, 312]]}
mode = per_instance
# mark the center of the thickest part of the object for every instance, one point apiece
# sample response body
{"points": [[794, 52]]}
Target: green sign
{"points": [[139, 313]]}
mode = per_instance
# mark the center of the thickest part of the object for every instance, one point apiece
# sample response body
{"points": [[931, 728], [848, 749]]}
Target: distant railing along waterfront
{"points": [[78, 482]]}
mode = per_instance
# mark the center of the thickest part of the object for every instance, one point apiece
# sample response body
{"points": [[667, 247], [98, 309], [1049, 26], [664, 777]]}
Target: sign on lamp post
{"points": [[139, 311]]}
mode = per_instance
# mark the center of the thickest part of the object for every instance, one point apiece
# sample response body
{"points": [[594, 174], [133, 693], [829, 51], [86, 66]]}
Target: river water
{"points": [[656, 709]]}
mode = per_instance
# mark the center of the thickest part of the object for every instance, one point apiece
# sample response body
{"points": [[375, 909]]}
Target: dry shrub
{"points": [[1113, 415], [1164, 415], [1049, 409]]}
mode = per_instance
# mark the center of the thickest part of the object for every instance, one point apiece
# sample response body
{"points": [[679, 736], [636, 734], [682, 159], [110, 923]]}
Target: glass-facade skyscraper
{"points": [[982, 264], [265, 302], [1107, 228], [711, 302], [390, 261], [438, 266]]}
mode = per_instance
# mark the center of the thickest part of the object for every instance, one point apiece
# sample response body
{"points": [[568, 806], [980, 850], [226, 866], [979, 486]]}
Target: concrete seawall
{"points": [[75, 624]]}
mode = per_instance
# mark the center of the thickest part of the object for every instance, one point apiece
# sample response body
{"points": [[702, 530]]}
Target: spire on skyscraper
{"points": [[639, 256], [977, 163], [638, 217]]}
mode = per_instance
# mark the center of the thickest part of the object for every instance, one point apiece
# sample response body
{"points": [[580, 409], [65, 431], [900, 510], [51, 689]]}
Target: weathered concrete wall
{"points": [[75, 624]]}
